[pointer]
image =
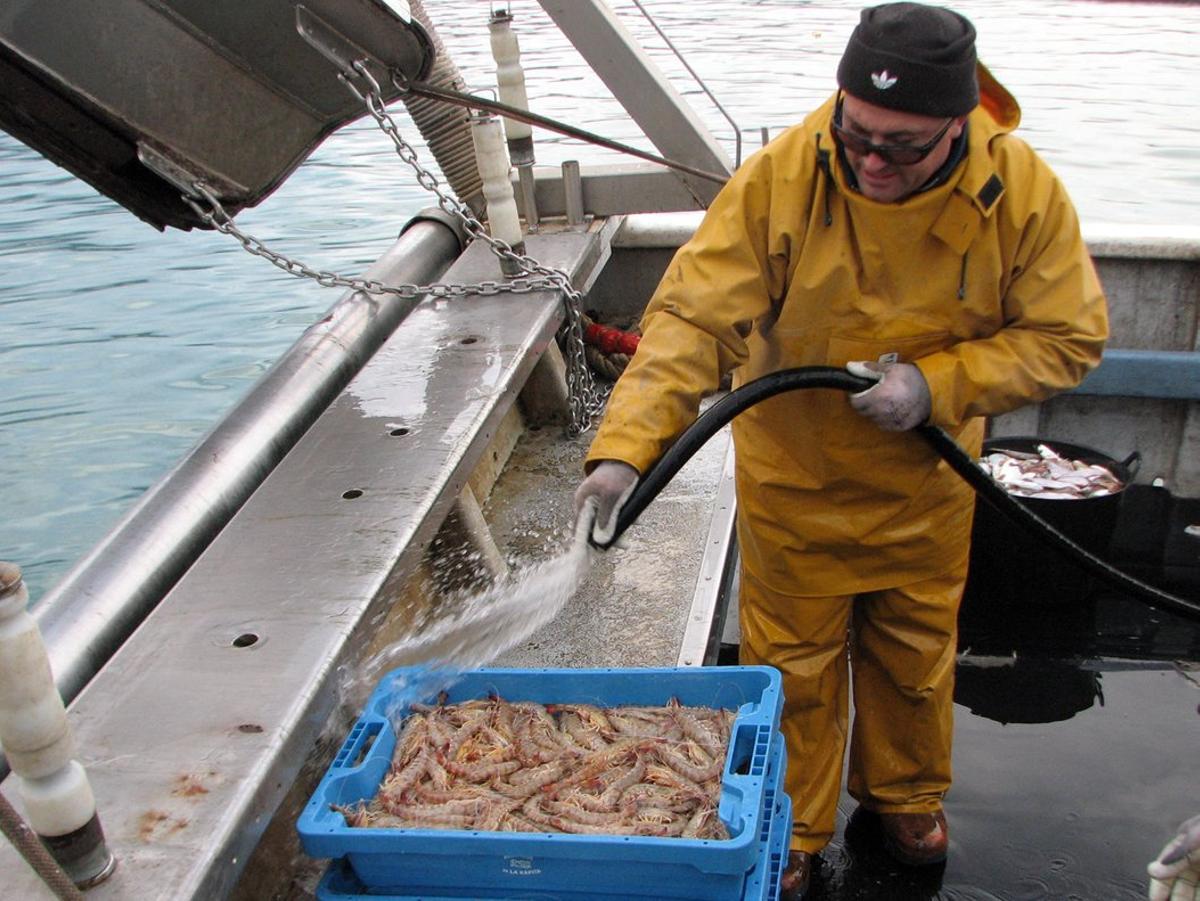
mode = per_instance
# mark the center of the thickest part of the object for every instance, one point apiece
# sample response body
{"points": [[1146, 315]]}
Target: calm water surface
{"points": [[120, 346]]}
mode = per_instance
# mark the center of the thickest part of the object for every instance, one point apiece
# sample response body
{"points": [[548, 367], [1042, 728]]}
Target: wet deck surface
{"points": [[1071, 770], [632, 608]]}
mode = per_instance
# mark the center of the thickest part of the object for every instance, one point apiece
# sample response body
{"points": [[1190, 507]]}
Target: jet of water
{"points": [[481, 627]]}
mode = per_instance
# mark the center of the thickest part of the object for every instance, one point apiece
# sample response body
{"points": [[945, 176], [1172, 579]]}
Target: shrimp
{"points": [[541, 775], [695, 728], [583, 735], [680, 764], [497, 766], [484, 771], [413, 736], [705, 823], [578, 814]]}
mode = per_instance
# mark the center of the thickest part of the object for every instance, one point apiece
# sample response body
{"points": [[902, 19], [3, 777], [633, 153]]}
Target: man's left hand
{"points": [[1175, 873], [898, 401]]}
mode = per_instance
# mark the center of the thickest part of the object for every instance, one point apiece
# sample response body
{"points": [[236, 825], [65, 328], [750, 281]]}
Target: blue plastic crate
{"points": [[434, 863], [761, 883]]}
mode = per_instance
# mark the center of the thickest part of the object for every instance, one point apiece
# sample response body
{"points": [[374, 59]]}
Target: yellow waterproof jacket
{"points": [[983, 282]]}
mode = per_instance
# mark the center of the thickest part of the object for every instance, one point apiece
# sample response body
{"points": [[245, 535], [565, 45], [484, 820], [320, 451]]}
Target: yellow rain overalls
{"points": [[854, 542]]}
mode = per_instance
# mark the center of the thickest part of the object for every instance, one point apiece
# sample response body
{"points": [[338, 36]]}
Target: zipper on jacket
{"points": [[962, 277], [823, 162]]}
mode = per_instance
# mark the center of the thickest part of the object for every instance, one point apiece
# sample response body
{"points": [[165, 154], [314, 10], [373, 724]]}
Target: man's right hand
{"points": [[604, 491]]}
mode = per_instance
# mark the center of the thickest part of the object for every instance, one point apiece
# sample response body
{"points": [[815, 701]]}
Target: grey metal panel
{"points": [[633, 607], [1118, 426], [613, 190], [226, 88], [1152, 281], [1153, 304], [194, 732], [1187, 465], [663, 115], [1145, 373]]}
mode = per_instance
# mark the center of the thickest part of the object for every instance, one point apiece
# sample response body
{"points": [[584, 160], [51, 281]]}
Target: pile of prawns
{"points": [[494, 765]]}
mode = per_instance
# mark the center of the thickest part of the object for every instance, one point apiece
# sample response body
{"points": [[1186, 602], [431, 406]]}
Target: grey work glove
{"points": [[898, 401], [1175, 873], [602, 494]]}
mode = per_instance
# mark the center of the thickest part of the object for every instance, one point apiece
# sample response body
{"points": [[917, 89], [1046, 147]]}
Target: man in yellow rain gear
{"points": [[903, 232]]}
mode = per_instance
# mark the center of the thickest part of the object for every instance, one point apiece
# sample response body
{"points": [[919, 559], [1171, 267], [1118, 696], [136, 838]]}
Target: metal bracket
{"points": [[184, 175], [332, 44]]}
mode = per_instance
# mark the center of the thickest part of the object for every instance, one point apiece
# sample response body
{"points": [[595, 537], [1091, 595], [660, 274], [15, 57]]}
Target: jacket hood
{"points": [[995, 100]]}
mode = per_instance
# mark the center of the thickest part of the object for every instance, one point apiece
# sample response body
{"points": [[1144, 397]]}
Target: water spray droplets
{"points": [[477, 628]]}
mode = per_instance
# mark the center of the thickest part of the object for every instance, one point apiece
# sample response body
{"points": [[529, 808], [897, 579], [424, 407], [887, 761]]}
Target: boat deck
{"points": [[640, 603], [1071, 770]]}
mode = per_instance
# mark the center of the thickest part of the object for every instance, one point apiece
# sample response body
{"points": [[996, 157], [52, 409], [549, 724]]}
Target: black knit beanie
{"points": [[914, 58]]}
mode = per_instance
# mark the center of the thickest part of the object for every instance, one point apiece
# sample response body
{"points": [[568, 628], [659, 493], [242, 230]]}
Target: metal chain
{"points": [[585, 398], [216, 216]]}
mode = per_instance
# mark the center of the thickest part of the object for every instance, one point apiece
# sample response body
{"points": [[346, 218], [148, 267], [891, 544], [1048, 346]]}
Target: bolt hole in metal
{"points": [[352, 494], [470, 340], [245, 640], [399, 432]]}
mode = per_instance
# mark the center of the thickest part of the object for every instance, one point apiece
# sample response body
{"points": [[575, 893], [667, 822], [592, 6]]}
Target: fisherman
{"points": [[902, 232]]}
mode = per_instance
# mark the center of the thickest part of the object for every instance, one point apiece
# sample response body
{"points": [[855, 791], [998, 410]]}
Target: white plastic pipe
{"points": [[39, 745], [510, 78], [33, 720], [504, 224]]}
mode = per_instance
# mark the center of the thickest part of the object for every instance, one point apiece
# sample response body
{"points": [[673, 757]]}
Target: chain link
{"points": [[585, 397]]}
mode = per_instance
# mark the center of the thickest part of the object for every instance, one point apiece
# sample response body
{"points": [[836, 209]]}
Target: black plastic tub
{"points": [[1009, 561]]}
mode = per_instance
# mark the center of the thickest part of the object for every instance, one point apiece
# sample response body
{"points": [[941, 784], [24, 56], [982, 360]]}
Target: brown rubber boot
{"points": [[793, 884], [916, 839]]}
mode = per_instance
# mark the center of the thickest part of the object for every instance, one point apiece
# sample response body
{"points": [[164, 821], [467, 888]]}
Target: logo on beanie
{"points": [[883, 80]]}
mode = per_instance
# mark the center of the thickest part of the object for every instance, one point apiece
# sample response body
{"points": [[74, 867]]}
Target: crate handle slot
{"points": [[748, 749], [358, 743]]}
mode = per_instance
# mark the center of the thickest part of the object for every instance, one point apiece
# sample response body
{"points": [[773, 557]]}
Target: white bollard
{"points": [[39, 745], [503, 222], [510, 80]]}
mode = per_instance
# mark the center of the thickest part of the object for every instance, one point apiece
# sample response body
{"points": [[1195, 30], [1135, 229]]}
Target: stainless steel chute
{"points": [[227, 91]]}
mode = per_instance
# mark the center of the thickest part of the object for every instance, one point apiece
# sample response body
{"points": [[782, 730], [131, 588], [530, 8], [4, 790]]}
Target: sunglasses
{"points": [[896, 154]]}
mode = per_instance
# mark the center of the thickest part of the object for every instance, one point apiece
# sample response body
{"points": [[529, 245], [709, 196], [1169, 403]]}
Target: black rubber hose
{"points": [[720, 413]]}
